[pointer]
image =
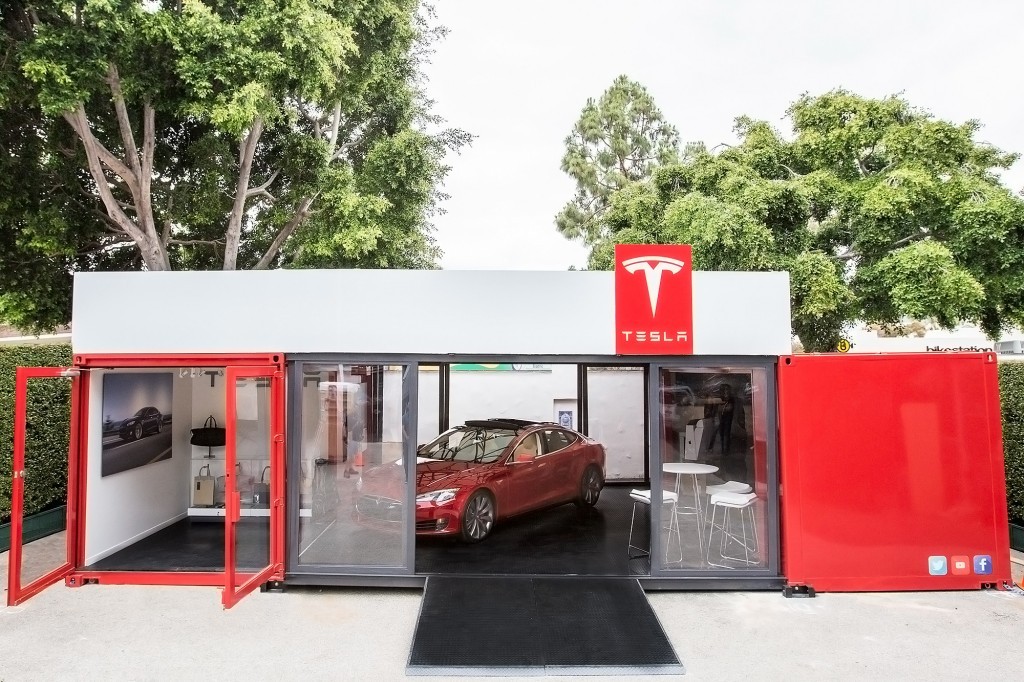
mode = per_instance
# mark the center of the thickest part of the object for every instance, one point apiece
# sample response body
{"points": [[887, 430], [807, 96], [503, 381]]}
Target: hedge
{"points": [[1011, 393], [48, 435]]}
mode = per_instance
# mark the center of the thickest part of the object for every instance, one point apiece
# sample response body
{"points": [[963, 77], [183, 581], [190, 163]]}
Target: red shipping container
{"points": [[892, 472]]}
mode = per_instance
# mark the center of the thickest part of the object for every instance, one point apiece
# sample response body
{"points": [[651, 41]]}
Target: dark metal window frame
{"points": [[769, 576], [773, 568]]}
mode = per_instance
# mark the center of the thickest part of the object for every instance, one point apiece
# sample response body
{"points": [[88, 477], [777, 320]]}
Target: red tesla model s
{"points": [[473, 475]]}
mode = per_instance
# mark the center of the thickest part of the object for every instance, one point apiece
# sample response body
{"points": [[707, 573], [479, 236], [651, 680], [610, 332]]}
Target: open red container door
{"points": [[892, 472], [33, 568], [254, 460]]}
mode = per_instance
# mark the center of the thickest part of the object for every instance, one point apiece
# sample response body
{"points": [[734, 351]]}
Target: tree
{"points": [[617, 140], [879, 212], [204, 134]]}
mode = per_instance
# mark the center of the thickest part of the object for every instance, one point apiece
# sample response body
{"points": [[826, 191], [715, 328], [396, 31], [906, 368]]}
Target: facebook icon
{"points": [[982, 564]]}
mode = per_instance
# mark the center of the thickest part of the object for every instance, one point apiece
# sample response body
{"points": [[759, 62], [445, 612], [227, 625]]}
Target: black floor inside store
{"points": [[191, 545], [563, 540], [560, 540], [538, 625]]}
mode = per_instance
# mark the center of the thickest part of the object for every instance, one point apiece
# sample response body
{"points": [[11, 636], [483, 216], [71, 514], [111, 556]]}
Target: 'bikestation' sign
{"points": [[653, 299]]}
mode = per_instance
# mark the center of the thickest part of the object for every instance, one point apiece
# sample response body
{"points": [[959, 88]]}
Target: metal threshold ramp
{"points": [[538, 626]]}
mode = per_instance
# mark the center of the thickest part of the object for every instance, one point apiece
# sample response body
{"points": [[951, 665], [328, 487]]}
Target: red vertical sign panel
{"points": [[653, 299]]}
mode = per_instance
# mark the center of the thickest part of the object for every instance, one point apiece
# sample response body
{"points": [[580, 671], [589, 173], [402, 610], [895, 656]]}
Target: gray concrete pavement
{"points": [[102, 632]]}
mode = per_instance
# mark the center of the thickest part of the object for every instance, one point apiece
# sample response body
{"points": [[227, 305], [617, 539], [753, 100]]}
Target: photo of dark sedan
{"points": [[146, 420], [474, 475]]}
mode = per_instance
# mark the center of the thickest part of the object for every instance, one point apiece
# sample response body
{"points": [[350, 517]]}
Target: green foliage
{"points": [[48, 431], [879, 212], [326, 94], [1011, 391], [617, 140]]}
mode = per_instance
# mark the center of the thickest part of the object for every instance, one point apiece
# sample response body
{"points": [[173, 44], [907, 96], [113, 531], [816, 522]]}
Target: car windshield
{"points": [[469, 444], [141, 412]]}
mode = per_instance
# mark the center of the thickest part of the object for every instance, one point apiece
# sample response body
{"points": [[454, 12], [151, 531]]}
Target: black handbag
{"points": [[261, 492], [209, 435]]}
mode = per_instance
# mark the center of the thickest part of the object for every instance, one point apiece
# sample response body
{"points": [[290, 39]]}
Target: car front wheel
{"points": [[137, 432], [478, 517], [591, 484]]}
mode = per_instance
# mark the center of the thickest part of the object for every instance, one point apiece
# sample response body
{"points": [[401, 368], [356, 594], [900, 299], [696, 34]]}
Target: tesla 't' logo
{"points": [[653, 267]]}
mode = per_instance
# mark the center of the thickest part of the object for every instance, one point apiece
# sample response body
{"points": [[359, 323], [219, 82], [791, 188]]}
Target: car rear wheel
{"points": [[158, 426], [478, 517], [591, 484]]}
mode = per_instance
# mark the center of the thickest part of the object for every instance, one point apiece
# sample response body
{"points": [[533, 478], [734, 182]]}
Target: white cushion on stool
{"points": [[645, 496], [735, 500], [728, 487]]}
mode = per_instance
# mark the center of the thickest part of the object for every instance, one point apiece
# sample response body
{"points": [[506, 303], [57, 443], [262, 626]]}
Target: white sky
{"points": [[517, 74]]}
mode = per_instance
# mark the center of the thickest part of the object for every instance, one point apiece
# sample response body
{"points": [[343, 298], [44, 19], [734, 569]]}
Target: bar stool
{"points": [[743, 504], [727, 487], [644, 497]]}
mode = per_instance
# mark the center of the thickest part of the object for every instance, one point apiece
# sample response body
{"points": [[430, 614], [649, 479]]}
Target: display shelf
{"points": [[246, 511]]}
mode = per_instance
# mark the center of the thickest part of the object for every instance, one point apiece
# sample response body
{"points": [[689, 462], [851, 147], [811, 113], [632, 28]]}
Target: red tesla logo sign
{"points": [[653, 299]]}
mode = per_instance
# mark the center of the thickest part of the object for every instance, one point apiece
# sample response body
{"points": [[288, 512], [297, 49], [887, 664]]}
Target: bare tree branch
{"points": [[791, 171], [234, 231], [97, 156], [263, 189], [80, 123], [335, 123], [168, 223], [146, 180], [210, 242], [300, 216], [113, 79]]}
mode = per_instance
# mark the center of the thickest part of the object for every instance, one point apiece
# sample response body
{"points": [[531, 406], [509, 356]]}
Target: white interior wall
{"points": [[484, 394], [427, 418], [125, 507], [616, 419]]}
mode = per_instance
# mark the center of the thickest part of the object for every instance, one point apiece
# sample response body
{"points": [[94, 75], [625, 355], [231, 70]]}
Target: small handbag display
{"points": [[203, 490], [261, 492], [209, 435]]}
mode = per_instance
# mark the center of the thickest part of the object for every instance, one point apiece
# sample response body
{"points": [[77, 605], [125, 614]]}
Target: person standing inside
{"points": [[725, 411]]}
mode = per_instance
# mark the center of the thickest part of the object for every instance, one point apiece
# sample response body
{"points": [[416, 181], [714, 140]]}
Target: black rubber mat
{"points": [[540, 626]]}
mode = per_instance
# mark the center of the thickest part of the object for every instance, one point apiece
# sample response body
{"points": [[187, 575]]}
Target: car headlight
{"points": [[438, 496]]}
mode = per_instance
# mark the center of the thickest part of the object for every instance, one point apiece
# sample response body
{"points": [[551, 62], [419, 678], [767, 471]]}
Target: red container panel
{"points": [[891, 470]]}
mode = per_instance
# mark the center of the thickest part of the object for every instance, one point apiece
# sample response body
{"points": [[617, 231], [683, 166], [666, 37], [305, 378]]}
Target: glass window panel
{"points": [[47, 437], [714, 468], [353, 487], [252, 452]]}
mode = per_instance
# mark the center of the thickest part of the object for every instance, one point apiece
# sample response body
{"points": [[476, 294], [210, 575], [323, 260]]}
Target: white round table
{"points": [[693, 470]]}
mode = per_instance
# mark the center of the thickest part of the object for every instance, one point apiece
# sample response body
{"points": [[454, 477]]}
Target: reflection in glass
{"points": [[351, 432], [252, 453], [714, 465], [47, 437]]}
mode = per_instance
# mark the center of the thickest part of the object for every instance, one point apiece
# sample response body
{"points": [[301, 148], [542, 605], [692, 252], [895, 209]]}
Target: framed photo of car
{"points": [[136, 420]]}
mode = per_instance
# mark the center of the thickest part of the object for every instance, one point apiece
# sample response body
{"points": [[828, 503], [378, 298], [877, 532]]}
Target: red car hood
{"points": [[387, 479]]}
